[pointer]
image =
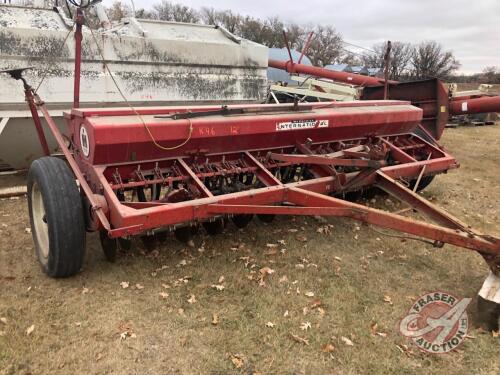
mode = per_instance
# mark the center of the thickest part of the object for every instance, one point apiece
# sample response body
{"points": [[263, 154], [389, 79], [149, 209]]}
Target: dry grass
{"points": [[78, 322]]}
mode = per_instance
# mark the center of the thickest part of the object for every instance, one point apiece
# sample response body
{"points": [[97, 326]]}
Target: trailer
{"points": [[154, 62], [145, 171]]}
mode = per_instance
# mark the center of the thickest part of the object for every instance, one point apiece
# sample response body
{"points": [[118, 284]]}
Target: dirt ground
{"points": [[201, 310]]}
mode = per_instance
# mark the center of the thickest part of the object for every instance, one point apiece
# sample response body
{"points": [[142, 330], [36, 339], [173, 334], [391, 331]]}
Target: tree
{"points": [[490, 74], [326, 47], [401, 54], [429, 60], [350, 58], [225, 18], [117, 11], [297, 36], [252, 29], [273, 32], [166, 11]]}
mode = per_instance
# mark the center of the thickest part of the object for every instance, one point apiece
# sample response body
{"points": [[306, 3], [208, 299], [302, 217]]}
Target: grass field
{"points": [[324, 297]]}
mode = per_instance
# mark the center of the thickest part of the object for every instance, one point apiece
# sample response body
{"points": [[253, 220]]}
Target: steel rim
{"points": [[40, 225]]}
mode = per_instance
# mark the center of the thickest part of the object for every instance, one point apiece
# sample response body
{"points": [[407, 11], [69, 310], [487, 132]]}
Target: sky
{"points": [[471, 29]]}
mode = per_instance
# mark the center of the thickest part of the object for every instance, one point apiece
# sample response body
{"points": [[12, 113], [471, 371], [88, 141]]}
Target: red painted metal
{"points": [[124, 138], [28, 92], [95, 205], [306, 47], [477, 105], [293, 159], [431, 95], [79, 20], [350, 78]]}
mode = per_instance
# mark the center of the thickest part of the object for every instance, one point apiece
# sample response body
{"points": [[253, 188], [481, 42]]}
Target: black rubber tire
{"points": [[488, 314], [52, 187]]}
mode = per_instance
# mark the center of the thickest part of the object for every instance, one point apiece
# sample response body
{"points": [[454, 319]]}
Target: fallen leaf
{"points": [[271, 252], [215, 319], [388, 299], [192, 299], [3, 320], [272, 245], [316, 303], [238, 362], [304, 326], [99, 356], [270, 324], [30, 330], [299, 339], [338, 259], [85, 290], [266, 271], [286, 314], [139, 286], [309, 294], [321, 311], [164, 295], [328, 348], [347, 341], [218, 287], [324, 230], [221, 279], [124, 284], [405, 349], [182, 262], [283, 279], [27, 230], [301, 238]]}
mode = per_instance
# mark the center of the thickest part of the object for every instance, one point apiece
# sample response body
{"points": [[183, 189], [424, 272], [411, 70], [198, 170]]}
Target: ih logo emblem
{"points": [[84, 141], [437, 322]]}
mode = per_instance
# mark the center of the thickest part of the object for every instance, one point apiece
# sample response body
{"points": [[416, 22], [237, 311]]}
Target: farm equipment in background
{"points": [[477, 119], [431, 95], [151, 170], [154, 62]]}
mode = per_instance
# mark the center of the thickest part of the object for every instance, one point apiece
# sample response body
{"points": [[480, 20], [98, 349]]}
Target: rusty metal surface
{"points": [[431, 95]]}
